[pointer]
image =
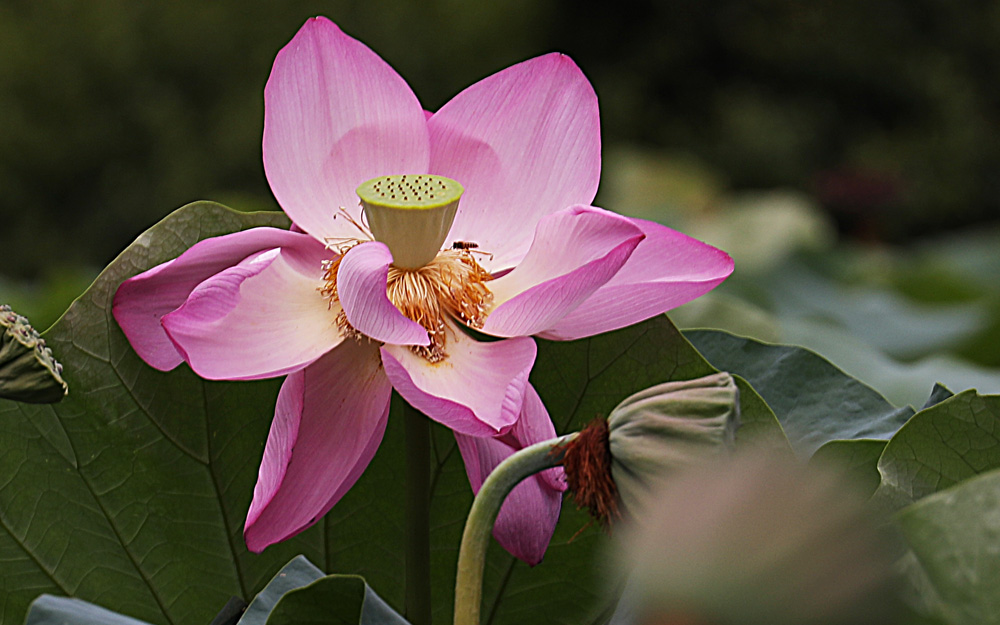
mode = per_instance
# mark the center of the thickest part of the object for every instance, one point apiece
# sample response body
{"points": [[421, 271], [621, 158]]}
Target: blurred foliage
{"points": [[44, 300], [899, 318], [114, 112], [886, 109]]}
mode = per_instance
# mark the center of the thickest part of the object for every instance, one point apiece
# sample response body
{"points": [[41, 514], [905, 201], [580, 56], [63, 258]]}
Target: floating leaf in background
{"points": [[900, 382], [50, 610], [300, 593], [334, 600], [897, 326], [953, 535], [299, 572], [944, 445], [814, 401]]}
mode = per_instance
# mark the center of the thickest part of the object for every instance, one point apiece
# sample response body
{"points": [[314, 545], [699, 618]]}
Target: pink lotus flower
{"points": [[324, 304]]}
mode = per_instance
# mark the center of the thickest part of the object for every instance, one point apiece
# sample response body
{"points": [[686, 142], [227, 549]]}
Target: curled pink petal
{"points": [[262, 318], [336, 115], [478, 389], [141, 301], [525, 142], [574, 253], [361, 282], [328, 422], [528, 516], [666, 270], [535, 426]]}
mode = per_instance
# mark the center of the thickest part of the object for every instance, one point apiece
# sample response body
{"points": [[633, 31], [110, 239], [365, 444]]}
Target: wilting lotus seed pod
{"points": [[646, 438], [28, 371]]}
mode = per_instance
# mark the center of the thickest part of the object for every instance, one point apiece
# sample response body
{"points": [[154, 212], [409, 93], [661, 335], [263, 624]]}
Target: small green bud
{"points": [[28, 371], [616, 463], [669, 426]]}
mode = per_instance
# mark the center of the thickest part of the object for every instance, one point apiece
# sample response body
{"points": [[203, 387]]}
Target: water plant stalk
{"points": [[485, 507]]}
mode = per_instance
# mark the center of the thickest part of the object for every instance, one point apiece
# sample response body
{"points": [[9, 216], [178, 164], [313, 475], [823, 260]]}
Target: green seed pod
{"points": [[28, 371], [669, 426]]}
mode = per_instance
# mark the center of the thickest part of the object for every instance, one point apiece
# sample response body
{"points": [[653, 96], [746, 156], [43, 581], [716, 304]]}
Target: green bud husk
{"points": [[28, 371], [669, 426]]}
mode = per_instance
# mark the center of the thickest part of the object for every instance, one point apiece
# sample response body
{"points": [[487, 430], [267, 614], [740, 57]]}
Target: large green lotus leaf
{"points": [[940, 446], [815, 401], [953, 535], [132, 492], [124, 494]]}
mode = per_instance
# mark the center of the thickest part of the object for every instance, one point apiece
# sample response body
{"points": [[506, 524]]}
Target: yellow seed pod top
{"points": [[411, 213]]}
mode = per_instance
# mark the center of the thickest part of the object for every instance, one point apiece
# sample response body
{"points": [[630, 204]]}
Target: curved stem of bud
{"points": [[485, 508], [418, 529]]}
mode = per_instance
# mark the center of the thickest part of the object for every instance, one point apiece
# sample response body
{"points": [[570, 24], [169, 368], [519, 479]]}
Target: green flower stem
{"points": [[479, 525], [418, 498]]}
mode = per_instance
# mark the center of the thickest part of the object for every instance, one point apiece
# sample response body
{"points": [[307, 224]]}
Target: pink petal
{"points": [[361, 285], [666, 270], [528, 516], [535, 426], [574, 253], [478, 389], [263, 318], [141, 301], [328, 422], [525, 142], [336, 115]]}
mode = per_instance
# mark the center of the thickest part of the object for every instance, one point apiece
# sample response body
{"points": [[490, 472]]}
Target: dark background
{"points": [[114, 112]]}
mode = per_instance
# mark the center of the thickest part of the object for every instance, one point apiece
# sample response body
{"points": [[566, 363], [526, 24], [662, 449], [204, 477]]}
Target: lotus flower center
{"points": [[412, 215]]}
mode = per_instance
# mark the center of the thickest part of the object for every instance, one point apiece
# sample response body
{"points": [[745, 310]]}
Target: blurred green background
{"points": [[845, 152]]}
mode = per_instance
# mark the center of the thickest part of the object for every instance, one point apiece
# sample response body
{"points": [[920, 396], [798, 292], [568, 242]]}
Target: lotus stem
{"points": [[418, 484], [485, 508]]}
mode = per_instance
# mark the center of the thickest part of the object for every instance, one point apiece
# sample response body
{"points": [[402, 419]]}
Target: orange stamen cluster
{"points": [[451, 285]]}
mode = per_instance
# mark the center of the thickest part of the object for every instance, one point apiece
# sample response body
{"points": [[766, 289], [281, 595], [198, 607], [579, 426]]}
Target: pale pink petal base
{"points": [[478, 389], [666, 270], [525, 142], [528, 516], [328, 422], [574, 253], [141, 301], [361, 282], [261, 318]]}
